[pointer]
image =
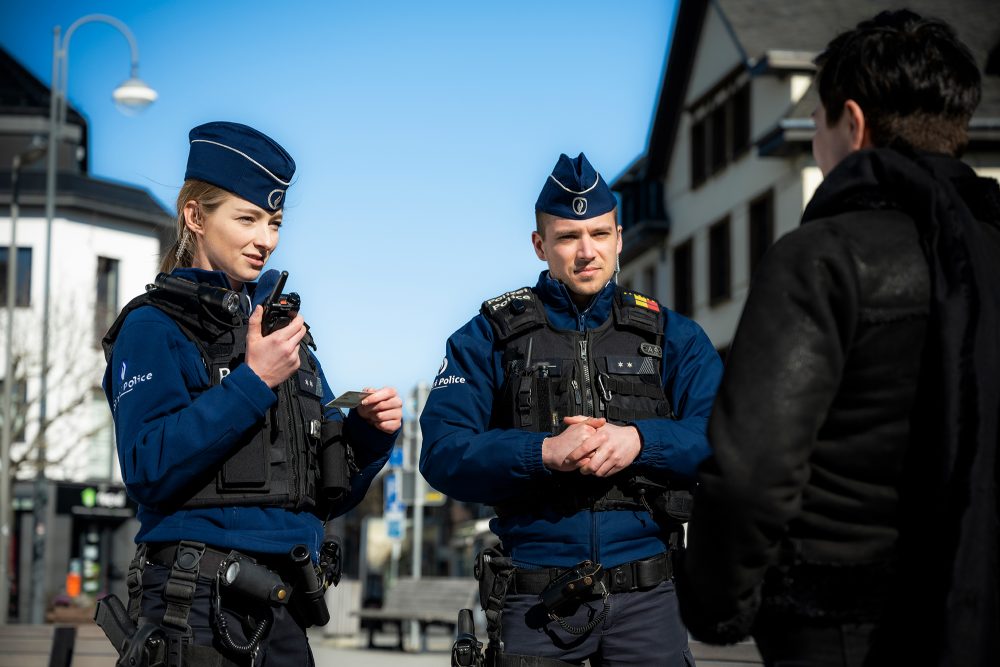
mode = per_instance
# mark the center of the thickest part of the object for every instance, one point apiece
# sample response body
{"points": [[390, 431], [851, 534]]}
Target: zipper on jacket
{"points": [[292, 440], [588, 387]]}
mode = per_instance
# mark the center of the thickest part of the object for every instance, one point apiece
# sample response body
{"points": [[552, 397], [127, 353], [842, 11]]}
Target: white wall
{"points": [[76, 360], [692, 212]]}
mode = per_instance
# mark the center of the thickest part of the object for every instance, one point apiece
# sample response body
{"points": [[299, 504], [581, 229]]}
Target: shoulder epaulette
{"points": [[637, 310], [513, 312]]}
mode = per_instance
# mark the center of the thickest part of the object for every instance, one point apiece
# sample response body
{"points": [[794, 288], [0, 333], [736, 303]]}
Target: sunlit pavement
{"points": [[352, 651]]}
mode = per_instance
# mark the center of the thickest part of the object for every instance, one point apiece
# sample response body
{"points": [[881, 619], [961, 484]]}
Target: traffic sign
{"points": [[393, 497]]}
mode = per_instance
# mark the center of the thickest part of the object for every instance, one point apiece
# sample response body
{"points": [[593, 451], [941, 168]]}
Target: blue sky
{"points": [[422, 134]]}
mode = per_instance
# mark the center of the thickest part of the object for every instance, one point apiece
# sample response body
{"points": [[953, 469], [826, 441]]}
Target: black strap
{"points": [[165, 554], [178, 593], [633, 388], [493, 570], [631, 576], [134, 582]]}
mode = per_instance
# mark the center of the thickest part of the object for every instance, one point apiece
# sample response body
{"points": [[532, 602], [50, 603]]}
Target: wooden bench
{"points": [[55, 646], [428, 601]]}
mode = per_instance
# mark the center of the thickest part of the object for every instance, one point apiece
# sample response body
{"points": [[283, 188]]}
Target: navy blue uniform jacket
{"points": [[467, 460], [171, 423]]}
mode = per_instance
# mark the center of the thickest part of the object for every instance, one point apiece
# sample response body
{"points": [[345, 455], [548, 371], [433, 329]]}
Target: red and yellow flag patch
{"points": [[641, 301]]}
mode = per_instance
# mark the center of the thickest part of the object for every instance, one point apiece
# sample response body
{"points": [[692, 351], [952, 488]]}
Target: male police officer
{"points": [[577, 409]]}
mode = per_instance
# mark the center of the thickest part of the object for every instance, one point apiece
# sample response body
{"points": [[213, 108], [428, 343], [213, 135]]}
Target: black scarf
{"points": [[946, 605]]}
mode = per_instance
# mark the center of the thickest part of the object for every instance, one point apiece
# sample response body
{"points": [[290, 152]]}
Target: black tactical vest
{"points": [[277, 463], [613, 371]]}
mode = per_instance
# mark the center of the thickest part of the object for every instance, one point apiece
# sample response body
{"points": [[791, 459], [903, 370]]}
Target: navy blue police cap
{"points": [[242, 160], [575, 191]]}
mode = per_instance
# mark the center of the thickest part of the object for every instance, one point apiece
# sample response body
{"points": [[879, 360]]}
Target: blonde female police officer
{"points": [[220, 423]]}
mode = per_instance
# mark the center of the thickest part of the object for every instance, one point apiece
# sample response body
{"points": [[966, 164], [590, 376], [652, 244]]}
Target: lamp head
{"points": [[133, 96]]}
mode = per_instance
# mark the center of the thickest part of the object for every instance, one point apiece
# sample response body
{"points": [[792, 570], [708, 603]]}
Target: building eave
{"points": [[640, 237]]}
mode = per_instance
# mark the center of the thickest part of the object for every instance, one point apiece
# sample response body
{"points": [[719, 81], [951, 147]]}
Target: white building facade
{"points": [[729, 161]]}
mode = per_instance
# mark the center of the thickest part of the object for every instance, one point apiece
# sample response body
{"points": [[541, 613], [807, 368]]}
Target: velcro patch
{"points": [[547, 368], [633, 299], [309, 384], [631, 365], [496, 303]]}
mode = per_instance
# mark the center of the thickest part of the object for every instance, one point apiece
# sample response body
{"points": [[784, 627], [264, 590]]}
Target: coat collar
{"points": [[563, 312]]}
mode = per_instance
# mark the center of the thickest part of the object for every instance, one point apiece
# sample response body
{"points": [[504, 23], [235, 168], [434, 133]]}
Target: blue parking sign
{"points": [[394, 528], [393, 488], [396, 457]]}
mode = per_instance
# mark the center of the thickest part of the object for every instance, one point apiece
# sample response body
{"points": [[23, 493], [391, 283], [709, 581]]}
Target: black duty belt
{"points": [[631, 576], [164, 553]]}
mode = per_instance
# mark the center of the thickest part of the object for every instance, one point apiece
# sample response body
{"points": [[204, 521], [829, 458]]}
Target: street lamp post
{"points": [[24, 158], [132, 93]]}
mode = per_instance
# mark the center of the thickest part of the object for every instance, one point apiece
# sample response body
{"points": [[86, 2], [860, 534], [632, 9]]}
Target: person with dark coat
{"points": [[848, 513]]}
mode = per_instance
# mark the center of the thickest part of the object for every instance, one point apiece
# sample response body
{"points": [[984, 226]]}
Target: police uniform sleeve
{"points": [[370, 446], [170, 424], [692, 370], [782, 374], [462, 456]]}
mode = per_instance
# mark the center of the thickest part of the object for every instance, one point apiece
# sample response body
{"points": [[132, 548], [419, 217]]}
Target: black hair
{"points": [[916, 83]]}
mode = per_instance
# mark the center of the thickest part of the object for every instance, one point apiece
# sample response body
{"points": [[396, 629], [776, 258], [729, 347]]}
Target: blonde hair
{"points": [[208, 197]]}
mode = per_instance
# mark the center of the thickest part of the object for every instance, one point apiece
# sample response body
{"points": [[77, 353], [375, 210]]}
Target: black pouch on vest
{"points": [[247, 470], [335, 471]]}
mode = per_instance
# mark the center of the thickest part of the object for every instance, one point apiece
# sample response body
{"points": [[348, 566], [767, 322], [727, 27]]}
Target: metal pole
{"points": [[417, 551], [41, 490], [57, 114], [8, 399], [419, 486]]}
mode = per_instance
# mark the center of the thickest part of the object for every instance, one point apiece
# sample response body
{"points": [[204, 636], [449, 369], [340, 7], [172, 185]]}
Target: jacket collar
{"points": [[562, 311]]}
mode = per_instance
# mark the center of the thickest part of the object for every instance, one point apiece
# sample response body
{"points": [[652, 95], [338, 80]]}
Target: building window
{"points": [[720, 135], [740, 110], [20, 406], [698, 171], [22, 296], [761, 227], [107, 297], [719, 145], [683, 279], [719, 262], [649, 280]]}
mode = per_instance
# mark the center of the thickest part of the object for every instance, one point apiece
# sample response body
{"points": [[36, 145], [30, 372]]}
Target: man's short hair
{"points": [[916, 83]]}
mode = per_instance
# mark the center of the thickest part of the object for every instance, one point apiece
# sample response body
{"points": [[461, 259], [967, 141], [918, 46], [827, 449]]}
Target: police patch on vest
{"points": [[309, 384], [651, 350], [631, 365], [496, 303], [633, 299]]}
